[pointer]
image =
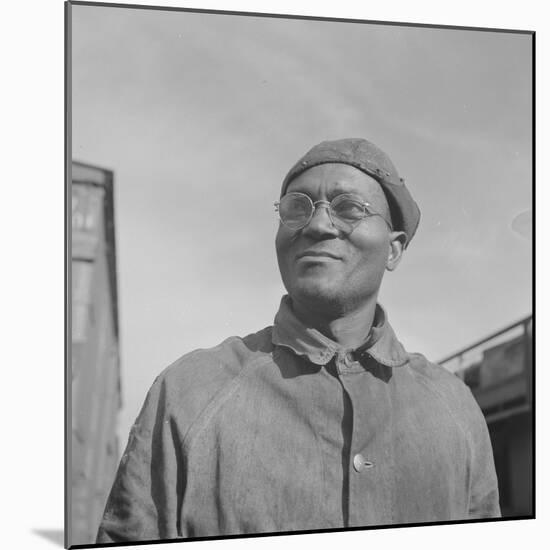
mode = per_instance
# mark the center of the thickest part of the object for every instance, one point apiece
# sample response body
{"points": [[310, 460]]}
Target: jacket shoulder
{"points": [[184, 389], [219, 363], [451, 391], [434, 372]]}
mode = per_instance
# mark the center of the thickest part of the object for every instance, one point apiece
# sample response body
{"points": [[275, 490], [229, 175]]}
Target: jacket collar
{"points": [[381, 343]]}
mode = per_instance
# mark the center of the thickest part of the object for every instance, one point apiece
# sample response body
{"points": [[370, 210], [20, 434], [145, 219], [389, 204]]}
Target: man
{"points": [[323, 420]]}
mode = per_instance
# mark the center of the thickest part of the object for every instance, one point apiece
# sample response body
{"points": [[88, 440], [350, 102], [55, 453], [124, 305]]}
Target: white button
{"points": [[348, 360], [360, 464]]}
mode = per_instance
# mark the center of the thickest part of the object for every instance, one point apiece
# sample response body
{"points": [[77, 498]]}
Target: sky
{"points": [[200, 116]]}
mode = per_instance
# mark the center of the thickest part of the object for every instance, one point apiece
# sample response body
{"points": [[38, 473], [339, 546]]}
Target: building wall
{"points": [[521, 469], [95, 384]]}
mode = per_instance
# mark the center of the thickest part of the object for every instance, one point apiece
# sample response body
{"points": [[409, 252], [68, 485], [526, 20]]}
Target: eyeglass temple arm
{"points": [[388, 223]]}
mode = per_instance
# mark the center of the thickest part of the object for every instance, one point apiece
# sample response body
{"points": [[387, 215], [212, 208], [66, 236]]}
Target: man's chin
{"points": [[319, 295]]}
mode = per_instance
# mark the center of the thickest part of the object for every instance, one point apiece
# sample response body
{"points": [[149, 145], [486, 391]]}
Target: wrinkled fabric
{"points": [[284, 430]]}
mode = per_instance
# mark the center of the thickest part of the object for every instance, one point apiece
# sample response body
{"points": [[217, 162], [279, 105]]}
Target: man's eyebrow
{"points": [[347, 189], [336, 188], [342, 187]]}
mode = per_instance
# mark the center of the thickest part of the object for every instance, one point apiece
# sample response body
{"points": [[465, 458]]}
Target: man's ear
{"points": [[398, 240]]}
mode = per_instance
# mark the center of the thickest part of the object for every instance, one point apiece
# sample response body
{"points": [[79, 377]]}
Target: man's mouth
{"points": [[317, 254]]}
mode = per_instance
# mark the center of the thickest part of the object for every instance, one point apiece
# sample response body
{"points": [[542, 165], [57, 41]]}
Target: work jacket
{"points": [[284, 430]]}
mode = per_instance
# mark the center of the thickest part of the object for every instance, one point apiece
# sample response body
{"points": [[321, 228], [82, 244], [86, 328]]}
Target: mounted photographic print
{"points": [[301, 274]]}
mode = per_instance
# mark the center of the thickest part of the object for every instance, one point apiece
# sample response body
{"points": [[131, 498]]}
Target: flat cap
{"points": [[371, 160]]}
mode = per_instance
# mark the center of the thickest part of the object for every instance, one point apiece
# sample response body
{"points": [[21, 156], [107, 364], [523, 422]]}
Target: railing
{"points": [[498, 370], [466, 357]]}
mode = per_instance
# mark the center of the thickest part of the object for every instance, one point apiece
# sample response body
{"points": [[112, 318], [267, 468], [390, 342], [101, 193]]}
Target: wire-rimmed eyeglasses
{"points": [[345, 211]]}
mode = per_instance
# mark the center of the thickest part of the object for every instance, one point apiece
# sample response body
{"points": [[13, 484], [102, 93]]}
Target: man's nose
{"points": [[320, 223]]}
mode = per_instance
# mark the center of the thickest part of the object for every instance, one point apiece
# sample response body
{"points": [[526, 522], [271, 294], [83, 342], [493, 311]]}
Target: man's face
{"points": [[327, 270]]}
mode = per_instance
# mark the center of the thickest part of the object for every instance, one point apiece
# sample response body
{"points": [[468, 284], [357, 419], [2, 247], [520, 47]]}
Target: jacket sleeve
{"points": [[484, 498], [143, 502]]}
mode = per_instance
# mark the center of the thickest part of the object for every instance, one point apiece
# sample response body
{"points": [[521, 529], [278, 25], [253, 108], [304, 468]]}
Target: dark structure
{"points": [[499, 369], [94, 378]]}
